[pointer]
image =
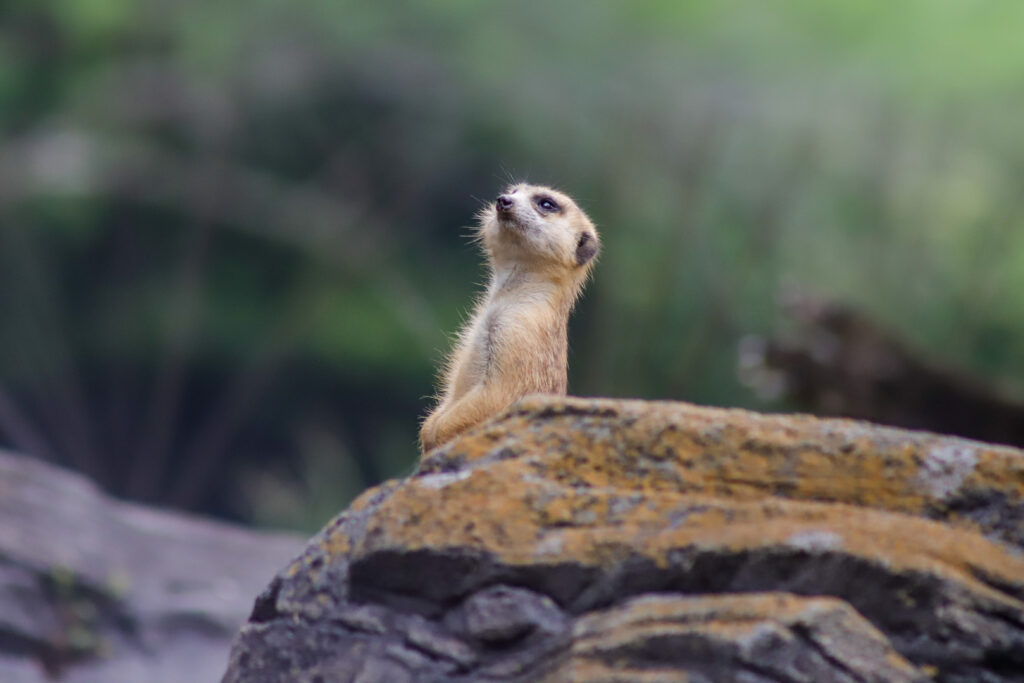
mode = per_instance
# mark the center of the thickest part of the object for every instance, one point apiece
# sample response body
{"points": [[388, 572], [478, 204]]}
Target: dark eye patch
{"points": [[546, 204]]}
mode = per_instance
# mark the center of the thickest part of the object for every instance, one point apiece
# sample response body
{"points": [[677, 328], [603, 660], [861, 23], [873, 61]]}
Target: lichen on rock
{"points": [[601, 540]]}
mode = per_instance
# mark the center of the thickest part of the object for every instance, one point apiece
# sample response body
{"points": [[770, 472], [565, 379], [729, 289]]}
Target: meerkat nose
{"points": [[504, 202]]}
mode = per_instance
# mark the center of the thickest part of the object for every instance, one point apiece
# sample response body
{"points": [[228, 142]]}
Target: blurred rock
{"points": [[97, 590], [838, 361], [601, 540]]}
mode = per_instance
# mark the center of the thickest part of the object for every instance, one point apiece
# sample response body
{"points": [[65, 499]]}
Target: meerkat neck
{"points": [[516, 282]]}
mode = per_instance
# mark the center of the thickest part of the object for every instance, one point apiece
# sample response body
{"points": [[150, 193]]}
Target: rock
{"points": [[834, 359], [599, 540], [503, 614], [757, 636], [97, 590]]}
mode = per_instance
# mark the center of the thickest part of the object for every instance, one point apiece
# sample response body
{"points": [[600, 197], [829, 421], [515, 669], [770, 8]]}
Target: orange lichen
{"points": [[510, 514], [575, 480], [738, 455]]}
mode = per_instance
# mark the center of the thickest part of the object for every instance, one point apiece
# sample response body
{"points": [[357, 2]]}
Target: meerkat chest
{"points": [[495, 329], [507, 337]]}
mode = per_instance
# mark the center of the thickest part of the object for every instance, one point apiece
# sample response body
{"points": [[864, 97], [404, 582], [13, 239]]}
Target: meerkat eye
{"points": [[547, 204]]}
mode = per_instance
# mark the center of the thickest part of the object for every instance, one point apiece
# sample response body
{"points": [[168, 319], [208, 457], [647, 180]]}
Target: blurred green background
{"points": [[233, 235]]}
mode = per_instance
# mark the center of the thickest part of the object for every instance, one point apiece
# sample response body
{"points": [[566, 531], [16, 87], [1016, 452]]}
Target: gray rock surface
{"points": [[94, 590], [597, 540]]}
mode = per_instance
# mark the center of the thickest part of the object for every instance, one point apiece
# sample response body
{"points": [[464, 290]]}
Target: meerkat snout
{"points": [[504, 202]]}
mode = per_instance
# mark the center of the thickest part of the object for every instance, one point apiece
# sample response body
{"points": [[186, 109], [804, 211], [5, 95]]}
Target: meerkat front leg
{"points": [[479, 403]]}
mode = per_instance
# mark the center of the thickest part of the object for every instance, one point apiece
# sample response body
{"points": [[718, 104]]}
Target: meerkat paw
{"points": [[429, 433]]}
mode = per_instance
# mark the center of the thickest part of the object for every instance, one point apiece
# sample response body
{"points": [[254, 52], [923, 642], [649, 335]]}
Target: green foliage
{"points": [[238, 224]]}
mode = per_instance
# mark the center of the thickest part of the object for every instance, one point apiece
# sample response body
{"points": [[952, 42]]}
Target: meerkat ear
{"points": [[586, 248]]}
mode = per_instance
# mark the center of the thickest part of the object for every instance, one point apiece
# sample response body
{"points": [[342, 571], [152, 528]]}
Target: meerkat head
{"points": [[539, 229]]}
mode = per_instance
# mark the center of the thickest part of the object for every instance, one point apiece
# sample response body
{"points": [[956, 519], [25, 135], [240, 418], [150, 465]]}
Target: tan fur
{"points": [[516, 341]]}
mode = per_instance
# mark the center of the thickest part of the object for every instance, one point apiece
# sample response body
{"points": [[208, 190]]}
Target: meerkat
{"points": [[540, 248]]}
